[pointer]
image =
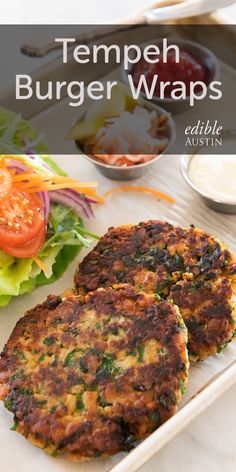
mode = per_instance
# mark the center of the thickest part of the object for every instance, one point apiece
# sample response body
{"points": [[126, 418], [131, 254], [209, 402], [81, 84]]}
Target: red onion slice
{"points": [[72, 199], [46, 201], [76, 194]]}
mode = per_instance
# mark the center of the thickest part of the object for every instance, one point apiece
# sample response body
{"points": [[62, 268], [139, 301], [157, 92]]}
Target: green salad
{"points": [[42, 211]]}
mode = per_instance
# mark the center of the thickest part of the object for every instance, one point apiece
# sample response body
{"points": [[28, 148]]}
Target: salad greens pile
{"points": [[18, 134], [65, 235]]}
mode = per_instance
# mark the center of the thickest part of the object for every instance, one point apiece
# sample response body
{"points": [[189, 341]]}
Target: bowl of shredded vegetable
{"points": [[124, 138]]}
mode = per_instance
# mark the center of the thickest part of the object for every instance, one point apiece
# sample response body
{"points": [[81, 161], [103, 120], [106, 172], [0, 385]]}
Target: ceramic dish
{"points": [[214, 204], [138, 170], [196, 50]]}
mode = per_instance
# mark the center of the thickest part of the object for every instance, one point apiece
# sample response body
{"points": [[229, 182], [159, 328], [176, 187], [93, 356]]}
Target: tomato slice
{"points": [[5, 181], [21, 217], [29, 249]]}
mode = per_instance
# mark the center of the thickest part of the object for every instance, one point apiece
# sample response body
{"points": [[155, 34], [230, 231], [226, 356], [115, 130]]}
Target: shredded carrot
{"points": [[3, 164], [41, 188], [41, 178], [140, 188], [51, 185], [5, 157], [39, 263], [34, 182], [39, 182], [12, 171], [98, 198]]}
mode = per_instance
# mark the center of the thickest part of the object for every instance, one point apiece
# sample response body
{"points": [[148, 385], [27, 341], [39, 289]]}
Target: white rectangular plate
{"points": [[207, 379]]}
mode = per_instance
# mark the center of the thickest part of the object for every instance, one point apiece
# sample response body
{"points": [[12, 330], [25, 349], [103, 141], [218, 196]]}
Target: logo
{"points": [[204, 133]]}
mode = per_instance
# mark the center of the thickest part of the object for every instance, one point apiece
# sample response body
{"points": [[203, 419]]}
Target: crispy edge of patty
{"points": [[224, 330], [213, 325], [134, 414]]}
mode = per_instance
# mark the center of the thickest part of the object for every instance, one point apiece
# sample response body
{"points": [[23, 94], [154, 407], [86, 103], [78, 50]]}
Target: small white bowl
{"points": [[214, 204]]}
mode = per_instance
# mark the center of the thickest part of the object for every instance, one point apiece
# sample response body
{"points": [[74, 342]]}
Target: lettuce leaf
{"points": [[12, 277], [5, 260], [65, 228], [27, 286], [4, 300], [65, 233], [16, 133], [66, 255]]}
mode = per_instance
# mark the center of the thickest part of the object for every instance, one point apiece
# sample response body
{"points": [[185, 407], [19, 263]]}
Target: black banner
{"points": [[118, 90]]}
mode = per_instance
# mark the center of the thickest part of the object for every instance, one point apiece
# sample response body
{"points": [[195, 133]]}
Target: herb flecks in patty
{"points": [[188, 266], [99, 393]]}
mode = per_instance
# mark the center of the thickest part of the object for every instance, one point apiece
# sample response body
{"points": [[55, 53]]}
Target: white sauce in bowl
{"points": [[215, 176]]}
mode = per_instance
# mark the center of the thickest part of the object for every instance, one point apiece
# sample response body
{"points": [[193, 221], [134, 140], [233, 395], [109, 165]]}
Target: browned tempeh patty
{"points": [[187, 265], [89, 375]]}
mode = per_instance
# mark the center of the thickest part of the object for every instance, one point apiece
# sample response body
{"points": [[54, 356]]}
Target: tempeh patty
{"points": [[89, 375], [189, 266]]}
